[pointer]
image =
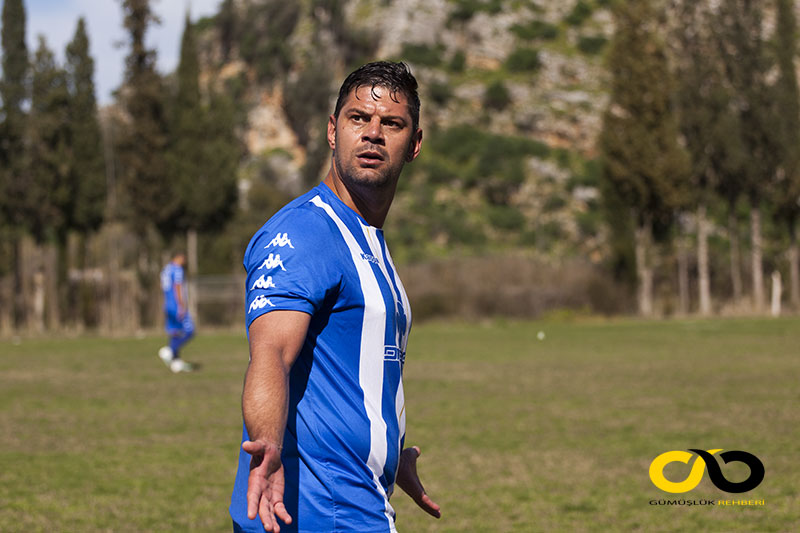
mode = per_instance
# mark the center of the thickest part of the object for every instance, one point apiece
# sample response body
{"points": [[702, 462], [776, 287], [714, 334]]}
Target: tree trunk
{"points": [[703, 277], [794, 269], [191, 258], [53, 285], [18, 286], [756, 258], [683, 276], [644, 271], [777, 290], [736, 269]]}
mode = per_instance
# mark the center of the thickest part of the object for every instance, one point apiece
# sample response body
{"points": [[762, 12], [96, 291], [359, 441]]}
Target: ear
{"points": [[414, 146], [332, 132]]}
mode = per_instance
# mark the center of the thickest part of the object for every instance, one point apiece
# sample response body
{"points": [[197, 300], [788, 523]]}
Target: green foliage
{"points": [[592, 44], [227, 26], [535, 30], [579, 14], [13, 90], [88, 167], [643, 162], [496, 96], [265, 30], [50, 191], [458, 62], [149, 197], [787, 190], [463, 10], [423, 54], [507, 218], [523, 60], [204, 152], [440, 92]]}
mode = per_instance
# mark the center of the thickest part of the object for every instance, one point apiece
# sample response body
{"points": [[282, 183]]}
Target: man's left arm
{"points": [[408, 480]]}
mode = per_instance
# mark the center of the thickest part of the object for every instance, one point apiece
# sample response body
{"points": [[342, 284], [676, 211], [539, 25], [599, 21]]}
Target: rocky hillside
{"points": [[512, 95]]}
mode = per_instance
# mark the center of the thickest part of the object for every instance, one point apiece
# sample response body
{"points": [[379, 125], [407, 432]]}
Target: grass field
{"points": [[517, 434]]}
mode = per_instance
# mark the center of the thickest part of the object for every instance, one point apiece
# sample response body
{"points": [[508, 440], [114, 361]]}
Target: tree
{"points": [[643, 163], [87, 170], [143, 176], [786, 193], [51, 191], [13, 158], [150, 201], [710, 128], [747, 68], [226, 22], [203, 154], [88, 167]]}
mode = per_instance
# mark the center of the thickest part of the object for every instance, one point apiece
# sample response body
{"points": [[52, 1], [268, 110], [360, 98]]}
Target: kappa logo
{"points": [[706, 458], [262, 283], [271, 262], [260, 303], [369, 257], [280, 240]]}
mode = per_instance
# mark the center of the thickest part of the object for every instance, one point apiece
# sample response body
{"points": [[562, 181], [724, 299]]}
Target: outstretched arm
{"points": [[408, 480], [275, 342]]}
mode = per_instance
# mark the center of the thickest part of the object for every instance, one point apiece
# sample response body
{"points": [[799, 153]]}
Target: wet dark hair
{"points": [[394, 76]]}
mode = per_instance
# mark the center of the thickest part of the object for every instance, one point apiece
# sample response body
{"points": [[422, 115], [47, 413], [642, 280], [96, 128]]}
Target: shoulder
{"points": [[299, 228]]}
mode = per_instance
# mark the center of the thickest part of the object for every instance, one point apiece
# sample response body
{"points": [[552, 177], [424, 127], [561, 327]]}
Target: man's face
{"points": [[373, 137]]}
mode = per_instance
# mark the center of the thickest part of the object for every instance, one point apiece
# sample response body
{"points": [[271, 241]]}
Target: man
{"points": [[328, 320], [179, 324]]}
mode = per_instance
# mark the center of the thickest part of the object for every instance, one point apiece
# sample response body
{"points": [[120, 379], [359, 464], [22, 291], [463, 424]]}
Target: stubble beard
{"points": [[353, 176]]}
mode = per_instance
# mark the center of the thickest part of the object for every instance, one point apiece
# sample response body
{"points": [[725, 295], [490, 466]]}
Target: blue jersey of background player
{"points": [[178, 322], [328, 319]]}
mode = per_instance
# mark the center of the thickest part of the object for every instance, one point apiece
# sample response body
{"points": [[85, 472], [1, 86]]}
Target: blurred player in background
{"points": [[178, 323], [328, 321]]}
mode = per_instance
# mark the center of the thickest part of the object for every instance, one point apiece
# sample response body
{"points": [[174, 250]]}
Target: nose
{"points": [[373, 133]]}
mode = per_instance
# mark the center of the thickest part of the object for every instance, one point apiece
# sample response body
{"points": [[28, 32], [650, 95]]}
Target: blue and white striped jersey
{"points": [[171, 275], [346, 421]]}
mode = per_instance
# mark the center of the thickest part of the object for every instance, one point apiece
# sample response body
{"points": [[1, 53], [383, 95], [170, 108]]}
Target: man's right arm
{"points": [[275, 342]]}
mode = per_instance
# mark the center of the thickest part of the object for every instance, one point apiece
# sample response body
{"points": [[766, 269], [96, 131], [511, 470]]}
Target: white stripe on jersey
{"points": [[371, 360], [377, 251]]}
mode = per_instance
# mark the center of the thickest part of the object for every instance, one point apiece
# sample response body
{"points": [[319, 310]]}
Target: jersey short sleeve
{"points": [[291, 264]]}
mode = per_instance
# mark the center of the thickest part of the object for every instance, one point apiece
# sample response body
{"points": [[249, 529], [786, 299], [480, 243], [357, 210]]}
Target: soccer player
{"points": [[328, 320], [179, 324]]}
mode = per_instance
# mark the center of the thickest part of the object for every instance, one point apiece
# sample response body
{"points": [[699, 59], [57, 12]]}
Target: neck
{"points": [[370, 203]]}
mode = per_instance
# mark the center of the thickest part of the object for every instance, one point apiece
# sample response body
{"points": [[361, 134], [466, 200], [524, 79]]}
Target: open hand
{"points": [[265, 485], [408, 480]]}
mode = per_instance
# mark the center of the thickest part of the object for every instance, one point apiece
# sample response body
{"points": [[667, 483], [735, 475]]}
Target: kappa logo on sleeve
{"points": [[272, 262], [280, 240], [262, 283], [260, 303], [706, 459]]}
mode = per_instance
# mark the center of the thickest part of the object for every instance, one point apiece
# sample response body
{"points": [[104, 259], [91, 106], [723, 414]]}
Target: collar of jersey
{"points": [[329, 196]]}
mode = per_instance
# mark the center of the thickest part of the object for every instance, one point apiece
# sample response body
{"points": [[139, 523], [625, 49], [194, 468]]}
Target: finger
{"points": [[253, 496], [430, 506], [265, 512], [252, 447], [282, 513]]}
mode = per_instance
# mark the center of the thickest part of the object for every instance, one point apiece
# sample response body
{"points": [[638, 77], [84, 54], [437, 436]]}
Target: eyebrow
{"points": [[361, 111]]}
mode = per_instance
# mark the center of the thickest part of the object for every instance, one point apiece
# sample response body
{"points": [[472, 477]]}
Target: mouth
{"points": [[370, 157]]}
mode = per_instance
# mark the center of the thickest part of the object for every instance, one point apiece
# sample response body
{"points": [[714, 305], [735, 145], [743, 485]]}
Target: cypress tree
{"points": [[87, 165], [204, 151], [787, 188], [88, 169], [643, 164], [13, 158], [747, 67], [50, 190], [149, 201]]}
